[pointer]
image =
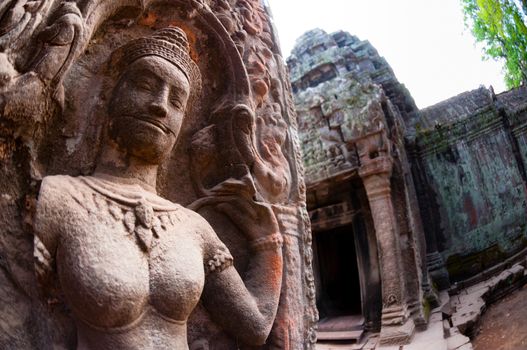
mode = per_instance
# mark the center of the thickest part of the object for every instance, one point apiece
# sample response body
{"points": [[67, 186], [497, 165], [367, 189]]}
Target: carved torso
{"points": [[127, 271]]}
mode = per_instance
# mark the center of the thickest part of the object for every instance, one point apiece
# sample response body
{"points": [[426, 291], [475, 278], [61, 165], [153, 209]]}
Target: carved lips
{"points": [[153, 121]]}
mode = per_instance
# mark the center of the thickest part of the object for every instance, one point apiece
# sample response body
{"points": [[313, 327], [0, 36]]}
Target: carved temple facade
{"points": [[403, 202], [361, 196]]}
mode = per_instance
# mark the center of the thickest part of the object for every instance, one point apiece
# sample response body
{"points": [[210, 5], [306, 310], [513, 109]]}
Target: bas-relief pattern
{"points": [[237, 146]]}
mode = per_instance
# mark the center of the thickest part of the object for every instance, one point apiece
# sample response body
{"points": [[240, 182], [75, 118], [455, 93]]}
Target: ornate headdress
{"points": [[170, 43]]}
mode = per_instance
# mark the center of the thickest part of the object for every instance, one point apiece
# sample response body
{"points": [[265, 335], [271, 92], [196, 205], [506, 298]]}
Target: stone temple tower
{"points": [[369, 245]]}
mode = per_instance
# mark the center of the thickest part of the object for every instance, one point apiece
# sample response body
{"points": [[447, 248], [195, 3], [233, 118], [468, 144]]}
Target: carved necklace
{"points": [[137, 208]]}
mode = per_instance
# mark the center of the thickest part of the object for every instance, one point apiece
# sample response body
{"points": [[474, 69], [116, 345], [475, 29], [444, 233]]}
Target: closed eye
{"points": [[176, 98], [176, 102], [144, 84]]}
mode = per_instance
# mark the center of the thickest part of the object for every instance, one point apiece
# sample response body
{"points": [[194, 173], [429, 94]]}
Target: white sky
{"points": [[424, 41]]}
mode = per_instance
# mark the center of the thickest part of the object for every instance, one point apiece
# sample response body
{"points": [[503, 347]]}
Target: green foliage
{"points": [[500, 26]]}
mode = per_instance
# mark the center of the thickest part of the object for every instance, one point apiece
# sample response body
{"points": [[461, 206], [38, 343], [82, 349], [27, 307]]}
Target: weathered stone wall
{"points": [[513, 105], [352, 113], [465, 157], [344, 75], [472, 151]]}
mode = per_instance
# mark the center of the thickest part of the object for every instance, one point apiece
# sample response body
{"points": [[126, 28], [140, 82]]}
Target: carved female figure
{"points": [[131, 265]]}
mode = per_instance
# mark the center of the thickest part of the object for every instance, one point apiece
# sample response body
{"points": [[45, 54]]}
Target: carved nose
{"points": [[158, 110]]}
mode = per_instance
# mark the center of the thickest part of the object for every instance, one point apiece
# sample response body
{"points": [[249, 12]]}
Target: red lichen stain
{"points": [[191, 36], [470, 210], [149, 19], [274, 265], [154, 21], [4, 151]]}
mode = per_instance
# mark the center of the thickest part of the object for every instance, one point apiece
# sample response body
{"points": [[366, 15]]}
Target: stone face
{"points": [[113, 112]]}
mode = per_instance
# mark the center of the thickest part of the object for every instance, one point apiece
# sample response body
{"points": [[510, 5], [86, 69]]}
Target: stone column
{"points": [[434, 261], [396, 327]]}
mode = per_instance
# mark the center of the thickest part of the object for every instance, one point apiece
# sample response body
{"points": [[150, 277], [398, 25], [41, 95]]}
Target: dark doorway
{"points": [[340, 292]]}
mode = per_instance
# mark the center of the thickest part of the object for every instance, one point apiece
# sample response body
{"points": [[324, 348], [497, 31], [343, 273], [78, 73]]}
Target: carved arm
{"points": [[247, 308]]}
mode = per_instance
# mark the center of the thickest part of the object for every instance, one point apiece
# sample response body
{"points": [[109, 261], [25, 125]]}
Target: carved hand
{"points": [[254, 219]]}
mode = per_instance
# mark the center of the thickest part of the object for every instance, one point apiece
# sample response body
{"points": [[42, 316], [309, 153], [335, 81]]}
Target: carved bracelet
{"points": [[219, 262], [270, 242]]}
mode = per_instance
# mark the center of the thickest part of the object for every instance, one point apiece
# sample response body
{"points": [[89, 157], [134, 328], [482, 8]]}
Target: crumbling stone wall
{"points": [[463, 159], [471, 149], [352, 112], [458, 182]]}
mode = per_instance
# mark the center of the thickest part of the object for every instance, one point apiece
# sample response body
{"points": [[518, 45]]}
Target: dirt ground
{"points": [[504, 325]]}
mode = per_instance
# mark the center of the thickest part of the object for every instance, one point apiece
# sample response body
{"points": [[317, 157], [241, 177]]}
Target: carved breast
{"points": [[108, 277]]}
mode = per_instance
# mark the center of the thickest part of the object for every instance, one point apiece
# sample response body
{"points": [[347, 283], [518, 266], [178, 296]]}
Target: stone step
{"points": [[340, 335], [341, 323], [469, 304]]}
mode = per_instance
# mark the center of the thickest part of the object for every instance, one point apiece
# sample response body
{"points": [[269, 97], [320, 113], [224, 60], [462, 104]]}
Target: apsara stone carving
{"points": [[113, 112], [133, 282]]}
